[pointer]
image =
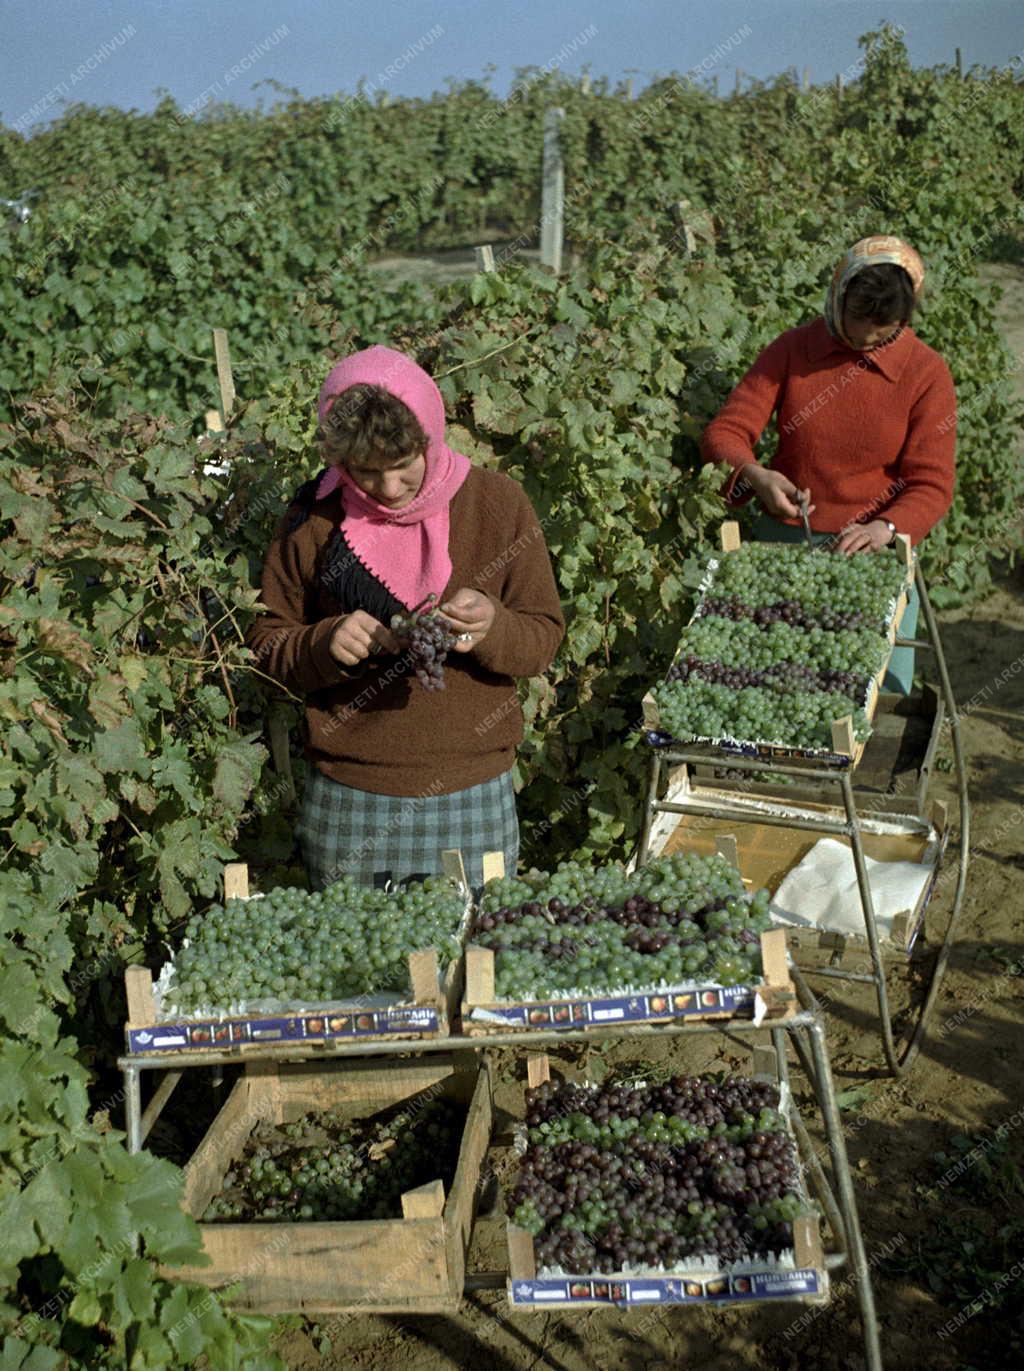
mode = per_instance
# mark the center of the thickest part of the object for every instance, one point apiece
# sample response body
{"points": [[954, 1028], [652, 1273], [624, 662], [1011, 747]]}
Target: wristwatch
{"points": [[892, 531]]}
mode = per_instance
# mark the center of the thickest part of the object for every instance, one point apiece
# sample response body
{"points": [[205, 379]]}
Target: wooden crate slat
{"points": [[338, 1265], [138, 986], [458, 1214], [425, 1202], [222, 1142]]}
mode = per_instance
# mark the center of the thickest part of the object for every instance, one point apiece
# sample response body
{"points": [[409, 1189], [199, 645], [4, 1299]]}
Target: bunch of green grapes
{"points": [[700, 709], [744, 642], [599, 930], [327, 1166], [770, 573], [292, 945]]}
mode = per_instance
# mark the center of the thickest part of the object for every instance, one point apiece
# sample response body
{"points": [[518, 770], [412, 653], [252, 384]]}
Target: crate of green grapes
{"points": [[785, 653], [589, 947], [349, 962], [342, 1187]]}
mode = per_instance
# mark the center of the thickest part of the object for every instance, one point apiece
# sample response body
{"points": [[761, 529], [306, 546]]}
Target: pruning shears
{"points": [[802, 502]]}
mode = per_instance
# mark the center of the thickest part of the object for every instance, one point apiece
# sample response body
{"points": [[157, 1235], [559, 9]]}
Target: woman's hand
{"points": [[470, 612], [864, 537], [776, 492], [357, 636]]}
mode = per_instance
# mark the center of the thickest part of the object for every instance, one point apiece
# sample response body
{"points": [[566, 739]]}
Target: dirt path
{"points": [[967, 1079]]}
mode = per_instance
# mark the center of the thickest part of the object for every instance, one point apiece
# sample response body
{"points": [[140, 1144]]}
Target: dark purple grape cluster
{"points": [[637, 913], [735, 677], [784, 612], [647, 1176], [786, 677], [427, 638]]}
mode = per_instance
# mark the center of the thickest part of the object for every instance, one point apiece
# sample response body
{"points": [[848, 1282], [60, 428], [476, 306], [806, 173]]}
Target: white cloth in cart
{"points": [[822, 892]]}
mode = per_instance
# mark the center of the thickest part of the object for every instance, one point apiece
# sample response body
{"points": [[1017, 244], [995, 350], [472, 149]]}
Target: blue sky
{"points": [[122, 52]]}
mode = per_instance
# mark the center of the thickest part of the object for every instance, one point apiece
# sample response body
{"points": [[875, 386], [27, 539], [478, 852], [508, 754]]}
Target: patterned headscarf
{"points": [[869, 252]]}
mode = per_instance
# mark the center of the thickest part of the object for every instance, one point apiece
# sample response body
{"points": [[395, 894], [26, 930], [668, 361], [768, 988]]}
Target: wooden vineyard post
{"points": [[484, 257], [552, 204], [224, 377], [839, 87], [684, 233], [805, 82], [959, 64], [280, 748]]}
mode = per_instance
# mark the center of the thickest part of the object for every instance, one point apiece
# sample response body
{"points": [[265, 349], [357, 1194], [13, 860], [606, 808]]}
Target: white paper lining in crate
{"points": [[273, 1005], [822, 892], [746, 1266], [870, 694]]}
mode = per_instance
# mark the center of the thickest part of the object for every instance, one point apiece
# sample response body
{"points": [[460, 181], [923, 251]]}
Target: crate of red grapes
{"points": [[342, 1187], [306, 967], [684, 1191], [585, 947], [785, 653]]}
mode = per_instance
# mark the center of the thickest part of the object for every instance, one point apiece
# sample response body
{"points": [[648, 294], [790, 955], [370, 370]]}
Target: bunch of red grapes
{"points": [[646, 1176]]}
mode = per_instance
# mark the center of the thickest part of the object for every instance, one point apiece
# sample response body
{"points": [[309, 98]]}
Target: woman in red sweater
{"points": [[866, 419], [398, 772]]}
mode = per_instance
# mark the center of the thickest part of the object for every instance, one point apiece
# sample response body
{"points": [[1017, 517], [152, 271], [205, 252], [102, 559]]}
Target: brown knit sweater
{"points": [[377, 728]]}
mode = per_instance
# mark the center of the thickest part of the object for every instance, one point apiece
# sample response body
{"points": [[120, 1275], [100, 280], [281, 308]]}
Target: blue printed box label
{"points": [[624, 1291], [178, 1037]]}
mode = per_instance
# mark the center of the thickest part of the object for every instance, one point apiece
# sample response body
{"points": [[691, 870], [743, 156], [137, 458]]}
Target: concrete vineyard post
{"points": [[552, 205]]}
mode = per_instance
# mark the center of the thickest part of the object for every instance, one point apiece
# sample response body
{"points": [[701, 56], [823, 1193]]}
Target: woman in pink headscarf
{"points": [[398, 773]]}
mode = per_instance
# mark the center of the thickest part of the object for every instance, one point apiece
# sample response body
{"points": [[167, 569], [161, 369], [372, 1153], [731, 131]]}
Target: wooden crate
{"points": [[766, 853], [846, 750], [429, 1014], [807, 1284], [650, 1007], [415, 1264]]}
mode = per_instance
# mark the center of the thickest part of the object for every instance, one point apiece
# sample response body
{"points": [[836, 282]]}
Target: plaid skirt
{"points": [[381, 838]]}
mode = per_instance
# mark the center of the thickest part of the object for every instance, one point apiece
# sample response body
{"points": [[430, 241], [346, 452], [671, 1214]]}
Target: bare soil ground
{"points": [[968, 1078]]}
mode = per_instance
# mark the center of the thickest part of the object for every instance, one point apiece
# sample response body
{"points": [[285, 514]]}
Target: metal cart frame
{"points": [[828, 776], [803, 1027]]}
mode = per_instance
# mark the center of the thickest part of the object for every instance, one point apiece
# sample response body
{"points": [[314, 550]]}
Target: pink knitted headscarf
{"points": [[407, 548]]}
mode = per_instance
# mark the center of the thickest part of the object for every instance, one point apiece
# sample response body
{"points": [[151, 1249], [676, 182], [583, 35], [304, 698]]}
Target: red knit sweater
{"points": [[871, 434]]}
